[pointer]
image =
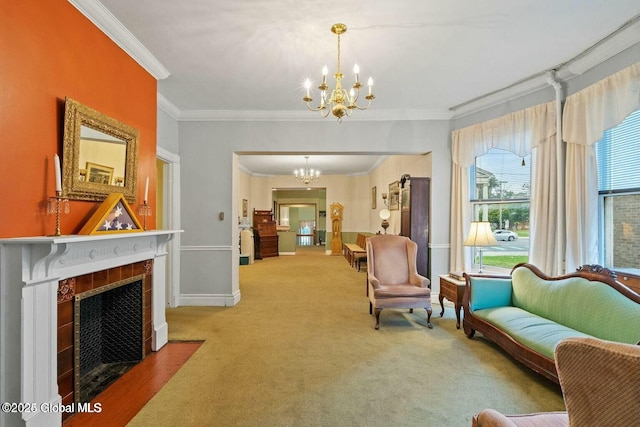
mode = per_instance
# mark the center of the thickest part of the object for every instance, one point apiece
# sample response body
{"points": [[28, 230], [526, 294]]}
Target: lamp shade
{"points": [[385, 214], [480, 234]]}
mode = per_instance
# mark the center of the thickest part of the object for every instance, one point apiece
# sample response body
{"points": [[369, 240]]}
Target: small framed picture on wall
{"points": [[373, 197]]}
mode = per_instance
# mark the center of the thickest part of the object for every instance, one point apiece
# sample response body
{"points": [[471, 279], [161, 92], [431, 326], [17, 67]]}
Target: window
{"points": [[500, 192], [618, 160]]}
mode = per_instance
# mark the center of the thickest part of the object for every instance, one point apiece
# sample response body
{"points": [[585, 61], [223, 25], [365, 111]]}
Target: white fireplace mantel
{"points": [[30, 269]]}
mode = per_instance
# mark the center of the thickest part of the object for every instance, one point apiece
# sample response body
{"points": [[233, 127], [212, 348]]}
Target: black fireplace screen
{"points": [[108, 330]]}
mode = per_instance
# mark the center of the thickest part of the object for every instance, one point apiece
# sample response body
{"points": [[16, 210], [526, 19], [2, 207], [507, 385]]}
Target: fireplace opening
{"points": [[109, 335]]}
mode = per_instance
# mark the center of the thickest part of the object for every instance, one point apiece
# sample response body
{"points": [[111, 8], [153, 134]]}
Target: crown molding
{"points": [[378, 162], [623, 38], [308, 116], [116, 31], [168, 107], [517, 90]]}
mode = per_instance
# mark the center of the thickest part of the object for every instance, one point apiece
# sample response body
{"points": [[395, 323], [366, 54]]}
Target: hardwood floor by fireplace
{"points": [[124, 398]]}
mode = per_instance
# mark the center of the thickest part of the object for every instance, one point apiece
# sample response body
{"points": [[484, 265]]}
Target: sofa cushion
{"points": [[490, 292], [395, 291], [535, 332], [593, 308]]}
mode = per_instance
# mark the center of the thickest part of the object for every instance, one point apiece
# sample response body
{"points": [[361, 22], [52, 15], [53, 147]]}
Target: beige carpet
{"points": [[300, 350]]}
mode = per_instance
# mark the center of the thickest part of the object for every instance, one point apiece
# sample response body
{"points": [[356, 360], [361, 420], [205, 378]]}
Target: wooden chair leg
{"points": [[429, 311], [378, 310]]}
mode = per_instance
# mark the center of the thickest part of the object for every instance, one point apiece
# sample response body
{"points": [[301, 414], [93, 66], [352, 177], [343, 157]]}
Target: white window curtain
{"points": [[518, 132], [547, 214], [586, 115]]}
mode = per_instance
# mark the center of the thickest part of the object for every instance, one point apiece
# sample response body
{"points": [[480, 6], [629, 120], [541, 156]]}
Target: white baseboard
{"points": [[210, 300]]}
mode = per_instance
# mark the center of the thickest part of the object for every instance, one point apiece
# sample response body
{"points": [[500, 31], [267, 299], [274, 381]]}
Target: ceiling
{"points": [[428, 58]]}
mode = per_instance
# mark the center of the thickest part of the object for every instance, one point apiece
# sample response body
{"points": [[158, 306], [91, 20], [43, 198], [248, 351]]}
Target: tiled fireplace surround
{"points": [[31, 272], [67, 290]]}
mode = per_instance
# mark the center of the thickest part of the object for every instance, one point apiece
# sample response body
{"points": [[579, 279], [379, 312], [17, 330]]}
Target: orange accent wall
{"points": [[51, 51]]}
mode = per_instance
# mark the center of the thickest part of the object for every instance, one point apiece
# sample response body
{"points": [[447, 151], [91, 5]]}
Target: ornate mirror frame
{"points": [[77, 115]]}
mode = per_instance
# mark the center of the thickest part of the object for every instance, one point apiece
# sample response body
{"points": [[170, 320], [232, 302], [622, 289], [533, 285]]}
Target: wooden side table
{"points": [[453, 290]]}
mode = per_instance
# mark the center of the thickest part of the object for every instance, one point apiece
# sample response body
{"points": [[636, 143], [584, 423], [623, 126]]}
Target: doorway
{"points": [[302, 213], [168, 218], [302, 218]]}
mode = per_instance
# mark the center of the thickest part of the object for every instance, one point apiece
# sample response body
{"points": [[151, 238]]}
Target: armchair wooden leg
{"points": [[429, 325], [378, 310], [370, 308]]}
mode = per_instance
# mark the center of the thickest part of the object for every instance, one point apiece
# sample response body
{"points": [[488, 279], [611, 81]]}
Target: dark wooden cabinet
{"points": [[414, 218], [265, 234]]}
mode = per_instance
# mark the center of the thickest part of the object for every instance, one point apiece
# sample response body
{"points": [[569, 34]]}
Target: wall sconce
{"points": [[385, 199]]}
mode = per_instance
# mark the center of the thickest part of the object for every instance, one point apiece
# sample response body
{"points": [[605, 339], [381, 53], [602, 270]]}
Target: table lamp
{"points": [[480, 235], [384, 215]]}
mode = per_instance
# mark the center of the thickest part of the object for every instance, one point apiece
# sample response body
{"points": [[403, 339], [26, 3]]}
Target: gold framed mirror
{"points": [[100, 155]]}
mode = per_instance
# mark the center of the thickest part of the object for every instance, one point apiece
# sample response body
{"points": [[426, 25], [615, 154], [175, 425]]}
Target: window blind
{"points": [[618, 156]]}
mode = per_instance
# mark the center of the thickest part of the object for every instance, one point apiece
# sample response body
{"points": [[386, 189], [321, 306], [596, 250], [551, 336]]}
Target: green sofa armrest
{"points": [[489, 292]]}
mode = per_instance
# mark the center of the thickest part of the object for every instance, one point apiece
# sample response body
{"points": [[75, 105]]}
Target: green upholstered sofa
{"points": [[529, 313]]}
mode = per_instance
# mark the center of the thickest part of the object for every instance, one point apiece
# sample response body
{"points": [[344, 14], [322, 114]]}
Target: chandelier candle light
{"points": [[145, 209], [338, 101], [305, 174], [57, 204]]}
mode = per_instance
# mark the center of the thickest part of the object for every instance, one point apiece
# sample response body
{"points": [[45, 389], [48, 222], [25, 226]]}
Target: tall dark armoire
{"points": [[414, 218]]}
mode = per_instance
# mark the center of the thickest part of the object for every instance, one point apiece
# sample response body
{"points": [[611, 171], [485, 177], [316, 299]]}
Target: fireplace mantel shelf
{"points": [[74, 255], [31, 268], [76, 238]]}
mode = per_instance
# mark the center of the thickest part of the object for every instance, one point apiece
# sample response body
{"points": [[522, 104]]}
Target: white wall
{"points": [[169, 188], [209, 270], [167, 132], [390, 171]]}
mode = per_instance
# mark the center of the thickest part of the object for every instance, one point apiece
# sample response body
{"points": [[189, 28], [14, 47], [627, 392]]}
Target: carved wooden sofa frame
{"points": [[525, 355]]}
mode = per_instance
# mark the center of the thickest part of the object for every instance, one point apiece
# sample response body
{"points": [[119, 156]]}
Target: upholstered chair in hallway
{"points": [[600, 383], [393, 280]]}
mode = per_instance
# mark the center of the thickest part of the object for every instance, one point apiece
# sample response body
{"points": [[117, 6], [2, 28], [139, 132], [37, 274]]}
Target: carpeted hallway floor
{"points": [[300, 350]]}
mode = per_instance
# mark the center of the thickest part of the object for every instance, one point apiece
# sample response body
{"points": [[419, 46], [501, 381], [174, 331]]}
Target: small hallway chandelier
{"points": [[338, 101], [305, 174]]}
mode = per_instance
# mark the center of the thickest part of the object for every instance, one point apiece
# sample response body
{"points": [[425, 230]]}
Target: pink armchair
{"points": [[393, 281], [600, 383]]}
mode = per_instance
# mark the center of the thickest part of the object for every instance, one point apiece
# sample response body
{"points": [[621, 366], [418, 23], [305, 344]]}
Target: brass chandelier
{"points": [[305, 174], [338, 101]]}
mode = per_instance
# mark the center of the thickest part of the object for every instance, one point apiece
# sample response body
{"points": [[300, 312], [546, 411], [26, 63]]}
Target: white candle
{"points": [[146, 191], [307, 85], [56, 162]]}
